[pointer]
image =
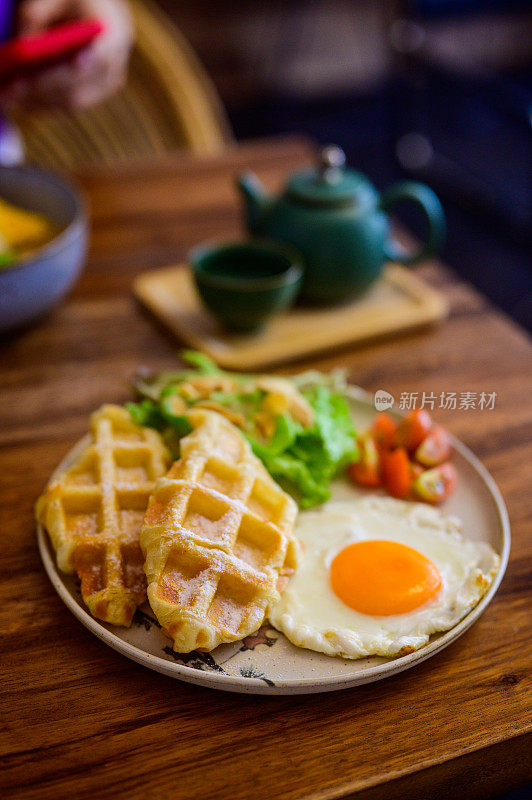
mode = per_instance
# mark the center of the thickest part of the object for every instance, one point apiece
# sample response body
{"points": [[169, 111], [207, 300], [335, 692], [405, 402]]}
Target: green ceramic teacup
{"points": [[244, 283]]}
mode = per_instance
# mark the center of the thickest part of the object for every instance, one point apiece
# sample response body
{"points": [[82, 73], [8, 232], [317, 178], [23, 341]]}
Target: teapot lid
{"points": [[329, 183]]}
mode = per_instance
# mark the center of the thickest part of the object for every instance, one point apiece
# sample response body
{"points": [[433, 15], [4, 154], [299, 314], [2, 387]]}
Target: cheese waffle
{"points": [[217, 537], [93, 512]]}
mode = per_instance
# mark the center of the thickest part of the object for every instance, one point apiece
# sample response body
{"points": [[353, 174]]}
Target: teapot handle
{"points": [[433, 212]]}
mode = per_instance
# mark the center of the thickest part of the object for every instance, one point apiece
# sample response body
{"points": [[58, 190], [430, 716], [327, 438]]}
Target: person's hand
{"points": [[93, 74]]}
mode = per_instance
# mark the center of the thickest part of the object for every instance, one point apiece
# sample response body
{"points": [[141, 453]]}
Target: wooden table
{"points": [[79, 720]]}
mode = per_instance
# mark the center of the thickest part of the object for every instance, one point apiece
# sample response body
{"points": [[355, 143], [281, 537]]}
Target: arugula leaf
{"points": [[172, 426], [178, 422], [201, 362], [146, 413]]}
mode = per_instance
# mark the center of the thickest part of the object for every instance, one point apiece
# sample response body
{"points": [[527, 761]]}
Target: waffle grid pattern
{"points": [[218, 537], [94, 511]]}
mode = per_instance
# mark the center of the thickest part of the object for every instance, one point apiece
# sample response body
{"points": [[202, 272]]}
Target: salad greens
{"points": [[306, 459], [7, 256], [300, 428]]}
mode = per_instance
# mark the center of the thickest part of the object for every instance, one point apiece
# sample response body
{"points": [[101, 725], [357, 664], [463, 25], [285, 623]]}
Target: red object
{"points": [[26, 53], [365, 471], [415, 471], [384, 431], [435, 485], [413, 429], [396, 472], [435, 448]]}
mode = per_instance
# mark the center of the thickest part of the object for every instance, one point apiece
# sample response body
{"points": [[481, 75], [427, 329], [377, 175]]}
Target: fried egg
{"points": [[378, 576]]}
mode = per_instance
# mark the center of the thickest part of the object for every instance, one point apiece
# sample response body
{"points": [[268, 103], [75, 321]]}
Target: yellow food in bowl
{"points": [[22, 231]]}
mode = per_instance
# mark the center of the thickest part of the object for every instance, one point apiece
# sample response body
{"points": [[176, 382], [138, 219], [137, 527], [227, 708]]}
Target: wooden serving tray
{"points": [[399, 301]]}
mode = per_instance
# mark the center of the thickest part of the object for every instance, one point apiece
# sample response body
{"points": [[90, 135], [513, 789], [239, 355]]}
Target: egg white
{"points": [[312, 616]]}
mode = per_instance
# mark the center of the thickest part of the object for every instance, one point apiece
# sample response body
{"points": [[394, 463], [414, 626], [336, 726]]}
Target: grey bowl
{"points": [[33, 285]]}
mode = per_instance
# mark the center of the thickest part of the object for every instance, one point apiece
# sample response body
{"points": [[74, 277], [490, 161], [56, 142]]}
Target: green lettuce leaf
{"points": [[286, 431], [178, 422], [172, 426], [330, 443], [295, 476], [200, 362], [146, 413], [304, 460]]}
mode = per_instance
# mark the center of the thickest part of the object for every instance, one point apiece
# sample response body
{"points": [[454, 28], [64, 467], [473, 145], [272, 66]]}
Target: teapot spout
{"points": [[256, 202]]}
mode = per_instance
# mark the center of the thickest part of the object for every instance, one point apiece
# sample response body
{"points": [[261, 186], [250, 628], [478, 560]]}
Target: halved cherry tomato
{"points": [[435, 485], [435, 447], [396, 476], [413, 429], [415, 471], [384, 431], [366, 471]]}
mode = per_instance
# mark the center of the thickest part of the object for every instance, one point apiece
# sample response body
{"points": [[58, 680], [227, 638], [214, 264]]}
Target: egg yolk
{"points": [[381, 578]]}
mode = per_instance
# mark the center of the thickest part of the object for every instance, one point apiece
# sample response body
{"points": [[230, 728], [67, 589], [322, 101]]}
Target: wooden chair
{"points": [[169, 103]]}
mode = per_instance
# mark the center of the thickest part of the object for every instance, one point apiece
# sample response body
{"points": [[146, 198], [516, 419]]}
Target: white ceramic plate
{"points": [[266, 663]]}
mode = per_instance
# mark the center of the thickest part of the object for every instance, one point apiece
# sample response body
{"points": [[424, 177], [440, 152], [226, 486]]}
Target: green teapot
{"points": [[337, 220]]}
